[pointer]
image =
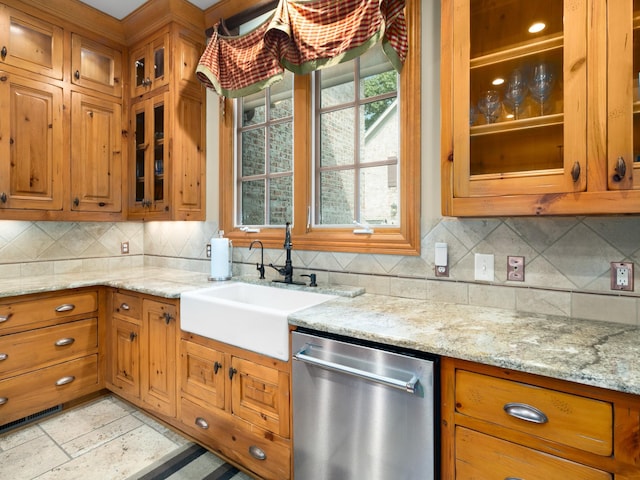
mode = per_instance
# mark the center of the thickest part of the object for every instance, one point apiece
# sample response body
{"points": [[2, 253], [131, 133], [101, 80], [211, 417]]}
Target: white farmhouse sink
{"points": [[253, 317]]}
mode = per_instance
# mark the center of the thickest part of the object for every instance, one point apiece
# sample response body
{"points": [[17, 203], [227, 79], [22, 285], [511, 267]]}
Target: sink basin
{"points": [[253, 317]]}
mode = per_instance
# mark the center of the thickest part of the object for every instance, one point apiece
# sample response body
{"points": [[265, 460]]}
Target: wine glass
{"points": [[472, 115], [489, 105], [541, 84], [515, 91]]}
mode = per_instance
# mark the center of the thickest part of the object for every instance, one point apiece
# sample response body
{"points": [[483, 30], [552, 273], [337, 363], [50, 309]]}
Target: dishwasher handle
{"points": [[411, 386]]}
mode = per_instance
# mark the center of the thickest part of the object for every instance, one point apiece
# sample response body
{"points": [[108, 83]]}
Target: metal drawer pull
{"points": [[525, 412], [257, 453], [3, 400], [65, 307], [202, 423], [65, 380], [3, 356], [512, 478], [65, 341], [411, 386], [125, 306], [4, 318]]}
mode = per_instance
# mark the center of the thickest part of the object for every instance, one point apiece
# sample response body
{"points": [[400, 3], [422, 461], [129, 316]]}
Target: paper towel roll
{"points": [[220, 259]]}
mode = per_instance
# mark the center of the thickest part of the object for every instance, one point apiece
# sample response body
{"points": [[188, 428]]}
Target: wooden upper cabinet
{"points": [[30, 43], [150, 168], [96, 154], [149, 64], [96, 66], [568, 145], [189, 164], [519, 98], [31, 144]]}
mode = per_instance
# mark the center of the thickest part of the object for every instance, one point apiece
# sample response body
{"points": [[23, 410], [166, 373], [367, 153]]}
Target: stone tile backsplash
{"points": [[567, 259]]}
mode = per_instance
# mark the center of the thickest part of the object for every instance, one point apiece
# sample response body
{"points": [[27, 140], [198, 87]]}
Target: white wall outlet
{"points": [[440, 260], [484, 267], [124, 248], [622, 276]]}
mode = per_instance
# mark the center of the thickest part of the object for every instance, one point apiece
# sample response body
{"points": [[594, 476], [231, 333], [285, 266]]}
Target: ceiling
{"points": [[121, 8]]}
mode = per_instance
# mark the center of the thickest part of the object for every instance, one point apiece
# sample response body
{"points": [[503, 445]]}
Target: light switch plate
{"points": [[484, 267]]}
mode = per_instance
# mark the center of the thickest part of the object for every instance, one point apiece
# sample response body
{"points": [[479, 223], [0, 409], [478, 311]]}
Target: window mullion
{"points": [[356, 142]]}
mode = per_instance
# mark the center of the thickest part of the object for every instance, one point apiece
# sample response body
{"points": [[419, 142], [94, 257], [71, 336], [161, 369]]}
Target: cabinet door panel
{"points": [[150, 168], [96, 66], [30, 43], [534, 140], [189, 152], [96, 158], [159, 356], [150, 65], [31, 144], [203, 373], [260, 396], [125, 352]]}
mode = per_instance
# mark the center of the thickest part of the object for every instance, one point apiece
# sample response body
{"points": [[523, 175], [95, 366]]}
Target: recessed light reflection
{"points": [[497, 81], [537, 27]]}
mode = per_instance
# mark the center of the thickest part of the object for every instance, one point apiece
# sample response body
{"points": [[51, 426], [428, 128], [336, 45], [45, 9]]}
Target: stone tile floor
{"points": [[104, 439]]}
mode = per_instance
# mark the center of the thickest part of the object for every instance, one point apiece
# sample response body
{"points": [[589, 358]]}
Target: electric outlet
{"points": [[515, 269], [622, 276], [484, 267], [442, 270], [208, 250], [124, 248]]}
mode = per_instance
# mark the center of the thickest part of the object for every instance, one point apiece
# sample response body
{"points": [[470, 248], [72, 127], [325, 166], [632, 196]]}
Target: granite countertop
{"points": [[594, 353]]}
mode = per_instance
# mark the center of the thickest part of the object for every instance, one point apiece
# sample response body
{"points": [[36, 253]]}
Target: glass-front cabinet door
{"points": [[149, 65], [30, 43], [519, 97], [149, 189], [96, 66]]}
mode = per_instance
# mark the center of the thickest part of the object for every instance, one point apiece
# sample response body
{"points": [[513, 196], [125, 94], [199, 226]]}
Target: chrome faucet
{"points": [[287, 270], [259, 266]]}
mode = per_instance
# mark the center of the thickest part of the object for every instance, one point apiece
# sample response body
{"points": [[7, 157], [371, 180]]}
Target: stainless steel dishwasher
{"points": [[361, 412]]}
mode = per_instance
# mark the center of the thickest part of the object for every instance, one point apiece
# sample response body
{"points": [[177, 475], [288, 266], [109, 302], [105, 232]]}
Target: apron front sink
{"points": [[253, 317]]}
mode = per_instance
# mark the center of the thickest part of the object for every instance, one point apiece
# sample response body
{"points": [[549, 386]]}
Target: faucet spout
{"points": [[259, 266]]}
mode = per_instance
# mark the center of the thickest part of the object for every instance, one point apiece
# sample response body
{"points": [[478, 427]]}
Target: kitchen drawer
{"points": [[126, 305], [571, 420], [482, 457], [18, 316], [38, 348], [32, 392], [235, 440]]}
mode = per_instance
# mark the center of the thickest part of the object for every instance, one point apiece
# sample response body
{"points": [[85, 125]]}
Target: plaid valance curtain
{"points": [[302, 36]]}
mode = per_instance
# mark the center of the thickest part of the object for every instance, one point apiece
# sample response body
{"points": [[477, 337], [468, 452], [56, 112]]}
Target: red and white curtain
{"points": [[302, 36]]}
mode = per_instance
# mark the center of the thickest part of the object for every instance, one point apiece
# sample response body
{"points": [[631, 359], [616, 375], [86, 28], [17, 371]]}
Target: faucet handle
{"points": [[312, 277]]}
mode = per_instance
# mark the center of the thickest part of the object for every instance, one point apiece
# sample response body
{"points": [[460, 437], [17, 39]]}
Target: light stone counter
{"points": [[594, 353]]}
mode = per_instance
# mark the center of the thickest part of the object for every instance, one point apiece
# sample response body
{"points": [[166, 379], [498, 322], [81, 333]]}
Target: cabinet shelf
{"points": [[515, 52], [516, 125]]}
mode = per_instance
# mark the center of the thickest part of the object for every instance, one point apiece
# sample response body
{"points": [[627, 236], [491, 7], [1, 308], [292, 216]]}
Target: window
{"points": [[325, 149], [356, 142], [264, 156]]}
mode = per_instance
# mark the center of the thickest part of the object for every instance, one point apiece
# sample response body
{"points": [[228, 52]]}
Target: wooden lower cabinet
{"points": [[142, 353], [50, 351], [237, 403], [502, 424]]}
